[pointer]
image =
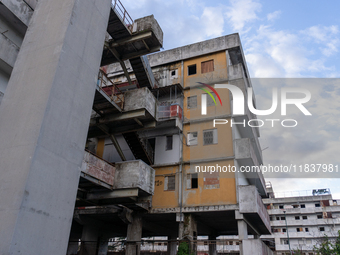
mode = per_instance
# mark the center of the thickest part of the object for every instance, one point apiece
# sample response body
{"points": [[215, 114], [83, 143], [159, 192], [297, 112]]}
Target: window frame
{"points": [[167, 148], [193, 65], [214, 139]]}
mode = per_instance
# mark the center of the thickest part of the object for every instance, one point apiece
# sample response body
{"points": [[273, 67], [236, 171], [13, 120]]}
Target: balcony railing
{"points": [[123, 14], [106, 85]]}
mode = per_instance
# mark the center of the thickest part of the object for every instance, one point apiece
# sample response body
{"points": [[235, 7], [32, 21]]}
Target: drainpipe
{"points": [[290, 251]]}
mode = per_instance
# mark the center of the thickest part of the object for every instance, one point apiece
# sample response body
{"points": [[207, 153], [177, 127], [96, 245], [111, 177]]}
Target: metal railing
{"points": [[110, 89], [123, 14]]}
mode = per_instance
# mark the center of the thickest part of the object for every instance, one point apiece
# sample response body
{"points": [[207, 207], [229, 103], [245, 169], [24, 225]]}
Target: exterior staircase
{"points": [[142, 70], [141, 148]]}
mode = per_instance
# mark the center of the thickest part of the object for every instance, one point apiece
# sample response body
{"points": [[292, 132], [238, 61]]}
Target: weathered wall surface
{"points": [[134, 174], [140, 99]]}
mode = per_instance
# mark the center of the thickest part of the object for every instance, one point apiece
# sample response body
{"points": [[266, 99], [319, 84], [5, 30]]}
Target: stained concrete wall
{"points": [[20, 9], [163, 156], [134, 174], [140, 99], [255, 247], [194, 50], [149, 23]]}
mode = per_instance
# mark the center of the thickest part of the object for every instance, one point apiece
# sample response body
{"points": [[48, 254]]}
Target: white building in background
{"points": [[303, 219]]}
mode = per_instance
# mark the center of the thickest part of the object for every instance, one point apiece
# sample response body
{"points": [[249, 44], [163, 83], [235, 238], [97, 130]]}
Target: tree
{"points": [[328, 247]]}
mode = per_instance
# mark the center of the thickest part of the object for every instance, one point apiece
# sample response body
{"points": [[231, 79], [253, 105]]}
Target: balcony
{"points": [[103, 183], [246, 156], [251, 206]]}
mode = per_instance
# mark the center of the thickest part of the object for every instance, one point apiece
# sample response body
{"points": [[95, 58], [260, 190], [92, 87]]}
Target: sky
{"points": [[287, 43]]}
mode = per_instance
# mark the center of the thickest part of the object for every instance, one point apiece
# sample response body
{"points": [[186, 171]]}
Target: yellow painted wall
{"points": [[163, 198], [225, 194], [219, 74], [223, 148]]}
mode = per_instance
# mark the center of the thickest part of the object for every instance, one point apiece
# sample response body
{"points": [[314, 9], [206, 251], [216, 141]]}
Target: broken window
{"points": [[280, 206], [283, 218], [322, 229], [168, 143], [192, 102], [173, 74], [192, 139], [192, 181], [319, 216], [192, 69], [306, 229], [304, 217], [284, 230], [303, 206], [317, 205], [299, 230], [295, 206], [207, 66], [170, 182], [297, 217], [210, 136]]}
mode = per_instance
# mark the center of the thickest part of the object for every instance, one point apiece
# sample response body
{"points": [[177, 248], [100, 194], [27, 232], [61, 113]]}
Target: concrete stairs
{"points": [[141, 149]]}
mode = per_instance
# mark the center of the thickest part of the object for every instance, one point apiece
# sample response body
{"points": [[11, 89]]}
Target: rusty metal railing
{"points": [[123, 14], [110, 89]]}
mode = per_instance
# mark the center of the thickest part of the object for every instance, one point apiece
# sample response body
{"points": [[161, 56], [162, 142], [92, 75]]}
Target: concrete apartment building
{"points": [[141, 123], [305, 219]]}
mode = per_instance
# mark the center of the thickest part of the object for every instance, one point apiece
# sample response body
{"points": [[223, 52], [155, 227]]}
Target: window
{"points": [[207, 66], [295, 206], [173, 74], [192, 181], [303, 206], [285, 241], [306, 229], [317, 205], [299, 230], [210, 101], [192, 102], [283, 218], [319, 216], [192, 70], [297, 217], [170, 182], [209, 136], [304, 217], [192, 139], [277, 218], [280, 206], [322, 229], [168, 143], [284, 230]]}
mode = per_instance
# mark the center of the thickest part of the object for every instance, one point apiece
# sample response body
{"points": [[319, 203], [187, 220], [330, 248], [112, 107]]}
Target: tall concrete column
{"points": [[72, 248], [242, 234], [172, 245], [188, 230], [93, 241], [212, 245], [44, 118], [134, 235]]}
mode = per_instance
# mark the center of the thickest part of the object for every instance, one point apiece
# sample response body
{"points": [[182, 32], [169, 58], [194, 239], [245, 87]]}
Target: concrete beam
{"points": [[55, 72], [113, 194], [131, 39], [118, 117]]}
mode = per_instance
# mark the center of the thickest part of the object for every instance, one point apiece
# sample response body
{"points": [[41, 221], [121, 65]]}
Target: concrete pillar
{"points": [[73, 244], [89, 241], [93, 242], [172, 245], [44, 118], [188, 230], [212, 245], [242, 234], [134, 235]]}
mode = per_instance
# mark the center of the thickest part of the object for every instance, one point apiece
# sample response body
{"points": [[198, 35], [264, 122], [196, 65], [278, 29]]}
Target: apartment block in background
{"points": [[301, 220]]}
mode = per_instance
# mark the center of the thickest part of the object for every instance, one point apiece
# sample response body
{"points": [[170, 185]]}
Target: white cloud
{"points": [[273, 15], [241, 12], [213, 21], [327, 37]]}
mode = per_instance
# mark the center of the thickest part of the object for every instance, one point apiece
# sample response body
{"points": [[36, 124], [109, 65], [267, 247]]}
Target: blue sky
{"points": [[281, 39]]}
